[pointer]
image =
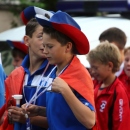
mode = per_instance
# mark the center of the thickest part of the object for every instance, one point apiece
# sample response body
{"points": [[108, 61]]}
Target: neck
{"points": [[108, 81], [63, 64], [35, 64]]}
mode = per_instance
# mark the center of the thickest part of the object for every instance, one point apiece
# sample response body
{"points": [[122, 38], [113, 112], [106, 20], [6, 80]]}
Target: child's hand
{"points": [[32, 110], [59, 85], [16, 114]]}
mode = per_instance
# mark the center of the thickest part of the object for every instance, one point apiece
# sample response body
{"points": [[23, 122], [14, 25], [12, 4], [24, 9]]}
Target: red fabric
{"points": [[13, 85], [25, 21], [77, 76], [120, 112], [21, 46], [79, 38], [126, 82]]}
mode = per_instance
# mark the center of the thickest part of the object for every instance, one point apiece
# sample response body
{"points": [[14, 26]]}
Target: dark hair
{"points": [[31, 27], [16, 52], [60, 37], [114, 34]]}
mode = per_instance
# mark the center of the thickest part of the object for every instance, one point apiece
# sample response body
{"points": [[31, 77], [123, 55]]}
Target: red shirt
{"points": [[112, 107], [126, 82]]}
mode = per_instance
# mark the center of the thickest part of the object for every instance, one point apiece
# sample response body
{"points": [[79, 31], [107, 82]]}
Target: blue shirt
{"points": [[30, 85], [2, 86], [59, 114]]}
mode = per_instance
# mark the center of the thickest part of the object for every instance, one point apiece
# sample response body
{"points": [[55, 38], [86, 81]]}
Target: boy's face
{"points": [[54, 51], [35, 43], [127, 63], [16, 62], [99, 71]]}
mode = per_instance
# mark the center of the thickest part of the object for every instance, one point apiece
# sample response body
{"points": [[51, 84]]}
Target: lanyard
{"points": [[40, 80], [36, 96]]}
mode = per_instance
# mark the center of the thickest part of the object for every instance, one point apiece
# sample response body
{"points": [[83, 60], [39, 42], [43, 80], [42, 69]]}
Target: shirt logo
{"points": [[120, 109], [102, 106]]}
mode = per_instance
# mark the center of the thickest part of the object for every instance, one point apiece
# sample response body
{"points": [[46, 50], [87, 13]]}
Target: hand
{"points": [[59, 85], [16, 114], [31, 110]]}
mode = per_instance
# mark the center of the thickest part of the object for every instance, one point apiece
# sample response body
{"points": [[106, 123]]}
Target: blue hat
{"points": [[61, 22], [30, 12], [65, 24]]}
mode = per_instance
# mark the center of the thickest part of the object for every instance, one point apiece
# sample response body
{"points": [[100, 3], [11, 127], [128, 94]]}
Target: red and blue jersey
{"points": [[59, 114], [31, 82]]}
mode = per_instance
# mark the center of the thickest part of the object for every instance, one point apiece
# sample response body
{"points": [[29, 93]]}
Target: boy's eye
{"points": [[95, 68], [40, 37], [50, 46], [126, 59]]}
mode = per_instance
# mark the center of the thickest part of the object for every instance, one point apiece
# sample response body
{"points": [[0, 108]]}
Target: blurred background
{"points": [[94, 16]]}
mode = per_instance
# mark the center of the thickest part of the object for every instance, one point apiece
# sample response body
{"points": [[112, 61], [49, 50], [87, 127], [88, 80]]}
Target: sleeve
{"points": [[2, 86], [121, 111], [84, 101]]}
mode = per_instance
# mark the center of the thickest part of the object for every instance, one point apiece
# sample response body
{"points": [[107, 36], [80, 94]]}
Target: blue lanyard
{"points": [[35, 96]]}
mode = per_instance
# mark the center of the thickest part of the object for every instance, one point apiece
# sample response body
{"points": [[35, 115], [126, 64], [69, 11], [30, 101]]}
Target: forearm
{"points": [[81, 112], [41, 111], [39, 121]]}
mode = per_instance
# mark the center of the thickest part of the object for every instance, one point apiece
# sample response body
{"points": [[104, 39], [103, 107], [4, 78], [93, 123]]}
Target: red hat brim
{"points": [[78, 37], [19, 45]]}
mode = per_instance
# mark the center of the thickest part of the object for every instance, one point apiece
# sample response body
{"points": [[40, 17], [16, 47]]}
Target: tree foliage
{"points": [[45, 4]]}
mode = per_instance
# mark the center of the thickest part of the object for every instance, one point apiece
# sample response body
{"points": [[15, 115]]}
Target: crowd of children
{"points": [[64, 96]]}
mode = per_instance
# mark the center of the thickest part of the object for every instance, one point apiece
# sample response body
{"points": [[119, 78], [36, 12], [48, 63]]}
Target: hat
{"points": [[60, 21], [65, 24], [30, 12], [19, 45]]}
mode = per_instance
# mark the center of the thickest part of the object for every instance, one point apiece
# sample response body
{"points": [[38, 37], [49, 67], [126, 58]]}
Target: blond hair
{"points": [[104, 53]]}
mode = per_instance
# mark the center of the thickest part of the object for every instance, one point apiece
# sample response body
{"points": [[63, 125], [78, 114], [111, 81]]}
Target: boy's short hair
{"points": [[114, 34], [18, 53], [126, 50], [60, 37], [31, 27], [104, 53]]}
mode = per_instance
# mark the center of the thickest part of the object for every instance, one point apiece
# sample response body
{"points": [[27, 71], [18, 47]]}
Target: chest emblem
{"points": [[102, 106]]}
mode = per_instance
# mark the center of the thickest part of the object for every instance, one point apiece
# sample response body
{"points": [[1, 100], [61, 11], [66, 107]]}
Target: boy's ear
{"points": [[69, 47], [26, 40], [110, 66]]}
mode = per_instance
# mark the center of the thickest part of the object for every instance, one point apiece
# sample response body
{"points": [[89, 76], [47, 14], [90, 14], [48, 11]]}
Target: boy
{"points": [[29, 76], [125, 75], [111, 101], [118, 37], [19, 51], [71, 97]]}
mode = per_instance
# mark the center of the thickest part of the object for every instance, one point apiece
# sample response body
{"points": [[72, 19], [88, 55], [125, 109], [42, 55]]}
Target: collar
{"points": [[26, 62]]}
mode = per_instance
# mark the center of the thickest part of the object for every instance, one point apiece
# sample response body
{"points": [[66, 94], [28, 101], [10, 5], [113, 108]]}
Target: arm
{"points": [[34, 110], [18, 115], [39, 121], [121, 112], [81, 112]]}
